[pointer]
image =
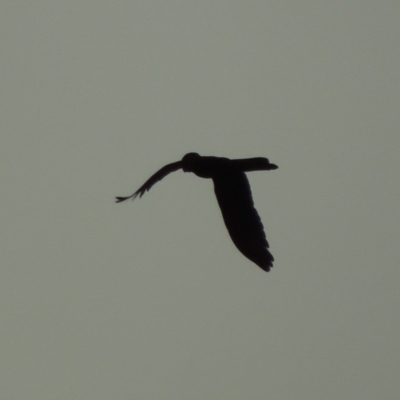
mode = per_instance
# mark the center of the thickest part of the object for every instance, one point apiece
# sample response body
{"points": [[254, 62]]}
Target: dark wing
{"points": [[241, 218], [160, 174]]}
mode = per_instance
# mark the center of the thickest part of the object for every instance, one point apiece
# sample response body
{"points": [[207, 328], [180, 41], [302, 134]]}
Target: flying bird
{"points": [[233, 193]]}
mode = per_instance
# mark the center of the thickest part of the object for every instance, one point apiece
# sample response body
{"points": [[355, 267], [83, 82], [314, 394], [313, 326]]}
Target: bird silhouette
{"points": [[233, 193]]}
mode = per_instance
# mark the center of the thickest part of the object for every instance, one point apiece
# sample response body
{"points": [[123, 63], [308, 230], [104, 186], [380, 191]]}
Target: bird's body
{"points": [[233, 193]]}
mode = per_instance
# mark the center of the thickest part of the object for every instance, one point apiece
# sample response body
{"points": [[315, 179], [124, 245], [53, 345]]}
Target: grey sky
{"points": [[150, 299]]}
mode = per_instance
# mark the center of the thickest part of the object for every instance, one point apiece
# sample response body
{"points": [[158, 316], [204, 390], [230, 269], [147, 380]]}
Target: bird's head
{"points": [[189, 161]]}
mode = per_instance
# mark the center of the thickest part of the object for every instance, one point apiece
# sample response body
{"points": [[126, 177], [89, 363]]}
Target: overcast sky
{"points": [[150, 299]]}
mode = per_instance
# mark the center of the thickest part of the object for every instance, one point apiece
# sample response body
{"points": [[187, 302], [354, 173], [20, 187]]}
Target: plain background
{"points": [[151, 300]]}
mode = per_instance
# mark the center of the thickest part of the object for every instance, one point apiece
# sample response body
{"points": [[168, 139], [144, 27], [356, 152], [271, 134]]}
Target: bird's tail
{"points": [[254, 164]]}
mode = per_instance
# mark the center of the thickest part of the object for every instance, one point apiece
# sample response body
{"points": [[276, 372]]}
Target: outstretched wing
{"points": [[160, 174], [241, 218]]}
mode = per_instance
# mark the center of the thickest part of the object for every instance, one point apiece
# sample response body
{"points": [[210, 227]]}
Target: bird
{"points": [[233, 193]]}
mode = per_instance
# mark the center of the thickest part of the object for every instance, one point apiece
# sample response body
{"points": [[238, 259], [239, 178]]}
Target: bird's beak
{"points": [[272, 166]]}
